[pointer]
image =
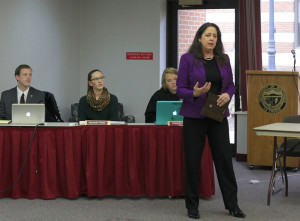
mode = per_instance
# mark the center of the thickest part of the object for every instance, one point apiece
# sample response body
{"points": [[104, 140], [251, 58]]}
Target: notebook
{"points": [[167, 111], [212, 110], [28, 114]]}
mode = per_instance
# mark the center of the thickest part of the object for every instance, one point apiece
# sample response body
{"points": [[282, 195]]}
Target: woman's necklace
{"points": [[208, 59]]}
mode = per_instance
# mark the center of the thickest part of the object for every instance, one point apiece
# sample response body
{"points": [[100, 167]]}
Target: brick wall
{"points": [[284, 24], [189, 22], [282, 27]]}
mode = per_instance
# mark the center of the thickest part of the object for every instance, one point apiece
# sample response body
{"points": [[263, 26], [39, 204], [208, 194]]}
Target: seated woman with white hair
{"points": [[167, 92]]}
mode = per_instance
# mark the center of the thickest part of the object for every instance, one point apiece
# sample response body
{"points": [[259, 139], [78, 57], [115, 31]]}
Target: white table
{"points": [[278, 130]]}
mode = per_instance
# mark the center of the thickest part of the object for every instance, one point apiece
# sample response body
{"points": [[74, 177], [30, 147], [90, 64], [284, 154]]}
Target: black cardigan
{"points": [[160, 95]]}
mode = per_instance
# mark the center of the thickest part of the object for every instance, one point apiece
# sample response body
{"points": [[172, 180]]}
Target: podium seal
{"points": [[272, 99]]}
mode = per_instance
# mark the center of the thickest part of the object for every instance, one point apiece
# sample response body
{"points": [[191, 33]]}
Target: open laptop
{"points": [[167, 111], [28, 114]]}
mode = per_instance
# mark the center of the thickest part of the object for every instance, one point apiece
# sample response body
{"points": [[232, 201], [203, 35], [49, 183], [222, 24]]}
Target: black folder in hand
{"points": [[212, 110]]}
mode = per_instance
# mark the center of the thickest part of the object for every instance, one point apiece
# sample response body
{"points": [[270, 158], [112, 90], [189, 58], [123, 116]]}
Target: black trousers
{"points": [[194, 134]]}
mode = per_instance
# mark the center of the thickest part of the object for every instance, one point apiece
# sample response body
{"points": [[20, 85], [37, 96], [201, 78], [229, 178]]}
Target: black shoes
{"points": [[237, 212], [194, 215]]}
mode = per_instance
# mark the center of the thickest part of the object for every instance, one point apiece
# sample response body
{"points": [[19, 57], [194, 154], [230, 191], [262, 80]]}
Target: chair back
{"points": [[120, 111], [292, 119], [52, 111], [74, 112], [292, 145]]}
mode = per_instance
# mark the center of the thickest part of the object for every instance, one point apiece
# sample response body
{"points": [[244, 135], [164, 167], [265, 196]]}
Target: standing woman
{"points": [[98, 104], [206, 69]]}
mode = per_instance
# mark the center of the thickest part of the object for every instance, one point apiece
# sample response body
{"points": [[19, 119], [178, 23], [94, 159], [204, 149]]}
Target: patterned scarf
{"points": [[101, 103]]}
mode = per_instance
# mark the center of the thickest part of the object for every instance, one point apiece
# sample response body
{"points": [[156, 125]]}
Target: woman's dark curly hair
{"points": [[196, 47]]}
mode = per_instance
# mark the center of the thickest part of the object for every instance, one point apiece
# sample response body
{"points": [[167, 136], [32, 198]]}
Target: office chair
{"points": [[74, 112], [126, 118], [52, 111], [289, 148]]}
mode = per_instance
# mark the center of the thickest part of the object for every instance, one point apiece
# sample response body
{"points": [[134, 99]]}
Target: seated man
{"points": [[23, 93]]}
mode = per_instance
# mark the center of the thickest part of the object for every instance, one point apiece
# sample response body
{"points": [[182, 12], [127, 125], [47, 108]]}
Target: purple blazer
{"points": [[192, 70]]}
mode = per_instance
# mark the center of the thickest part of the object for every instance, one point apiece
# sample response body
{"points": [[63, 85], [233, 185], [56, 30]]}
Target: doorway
{"points": [[183, 23]]}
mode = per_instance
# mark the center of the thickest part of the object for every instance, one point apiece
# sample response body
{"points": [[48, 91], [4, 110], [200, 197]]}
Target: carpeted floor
{"points": [[252, 199]]}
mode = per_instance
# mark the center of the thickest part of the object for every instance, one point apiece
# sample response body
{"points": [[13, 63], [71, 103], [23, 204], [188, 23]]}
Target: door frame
{"points": [[172, 36]]}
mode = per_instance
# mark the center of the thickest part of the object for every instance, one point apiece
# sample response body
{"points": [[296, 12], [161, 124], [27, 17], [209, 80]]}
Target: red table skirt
{"points": [[97, 161]]}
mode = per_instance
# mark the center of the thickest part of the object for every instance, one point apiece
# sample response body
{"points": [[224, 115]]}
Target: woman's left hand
{"points": [[223, 99]]}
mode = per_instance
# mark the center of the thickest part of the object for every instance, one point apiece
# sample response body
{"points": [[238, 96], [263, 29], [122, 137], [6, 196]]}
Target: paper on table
{"points": [[5, 121]]}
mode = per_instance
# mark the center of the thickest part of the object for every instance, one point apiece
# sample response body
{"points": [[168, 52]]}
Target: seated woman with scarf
{"points": [[98, 104]]}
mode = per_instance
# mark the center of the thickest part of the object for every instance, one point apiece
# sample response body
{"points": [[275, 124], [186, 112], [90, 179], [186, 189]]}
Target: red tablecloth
{"points": [[97, 161]]}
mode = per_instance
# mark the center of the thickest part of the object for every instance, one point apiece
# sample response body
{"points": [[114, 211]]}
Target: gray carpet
{"points": [[252, 199]]}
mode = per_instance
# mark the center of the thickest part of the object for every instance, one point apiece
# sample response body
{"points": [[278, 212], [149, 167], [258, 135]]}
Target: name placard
{"points": [[101, 122], [94, 122], [175, 123]]}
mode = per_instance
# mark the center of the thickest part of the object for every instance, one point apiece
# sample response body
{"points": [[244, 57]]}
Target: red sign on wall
{"points": [[139, 55]]}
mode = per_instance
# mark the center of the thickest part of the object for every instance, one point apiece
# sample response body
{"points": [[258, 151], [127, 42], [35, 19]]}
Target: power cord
{"points": [[23, 164]]}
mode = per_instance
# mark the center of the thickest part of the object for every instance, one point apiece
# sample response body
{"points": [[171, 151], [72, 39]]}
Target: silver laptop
{"points": [[28, 114]]}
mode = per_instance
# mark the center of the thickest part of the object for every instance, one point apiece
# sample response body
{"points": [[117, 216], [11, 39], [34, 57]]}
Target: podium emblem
{"points": [[272, 99]]}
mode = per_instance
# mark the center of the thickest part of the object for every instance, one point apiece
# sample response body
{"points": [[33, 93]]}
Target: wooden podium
{"points": [[272, 95]]}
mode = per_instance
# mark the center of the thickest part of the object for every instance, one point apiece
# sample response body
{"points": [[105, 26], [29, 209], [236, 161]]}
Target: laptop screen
{"points": [[28, 114], [167, 111]]}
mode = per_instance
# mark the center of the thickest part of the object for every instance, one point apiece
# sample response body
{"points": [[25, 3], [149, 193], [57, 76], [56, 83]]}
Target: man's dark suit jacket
{"points": [[9, 97]]}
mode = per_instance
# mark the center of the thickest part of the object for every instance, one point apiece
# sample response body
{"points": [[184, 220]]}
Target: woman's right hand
{"points": [[201, 90]]}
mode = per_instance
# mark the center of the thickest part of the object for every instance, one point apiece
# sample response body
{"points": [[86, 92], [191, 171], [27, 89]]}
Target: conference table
{"points": [[275, 130], [102, 160]]}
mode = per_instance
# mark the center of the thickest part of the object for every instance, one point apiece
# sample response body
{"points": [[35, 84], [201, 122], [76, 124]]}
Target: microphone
{"points": [[293, 52]]}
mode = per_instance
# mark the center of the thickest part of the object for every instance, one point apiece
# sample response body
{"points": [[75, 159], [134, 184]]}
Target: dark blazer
{"points": [[191, 71], [9, 97]]}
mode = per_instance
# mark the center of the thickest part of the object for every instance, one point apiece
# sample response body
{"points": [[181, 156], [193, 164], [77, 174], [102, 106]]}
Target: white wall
{"points": [[112, 28], [45, 35], [62, 40]]}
